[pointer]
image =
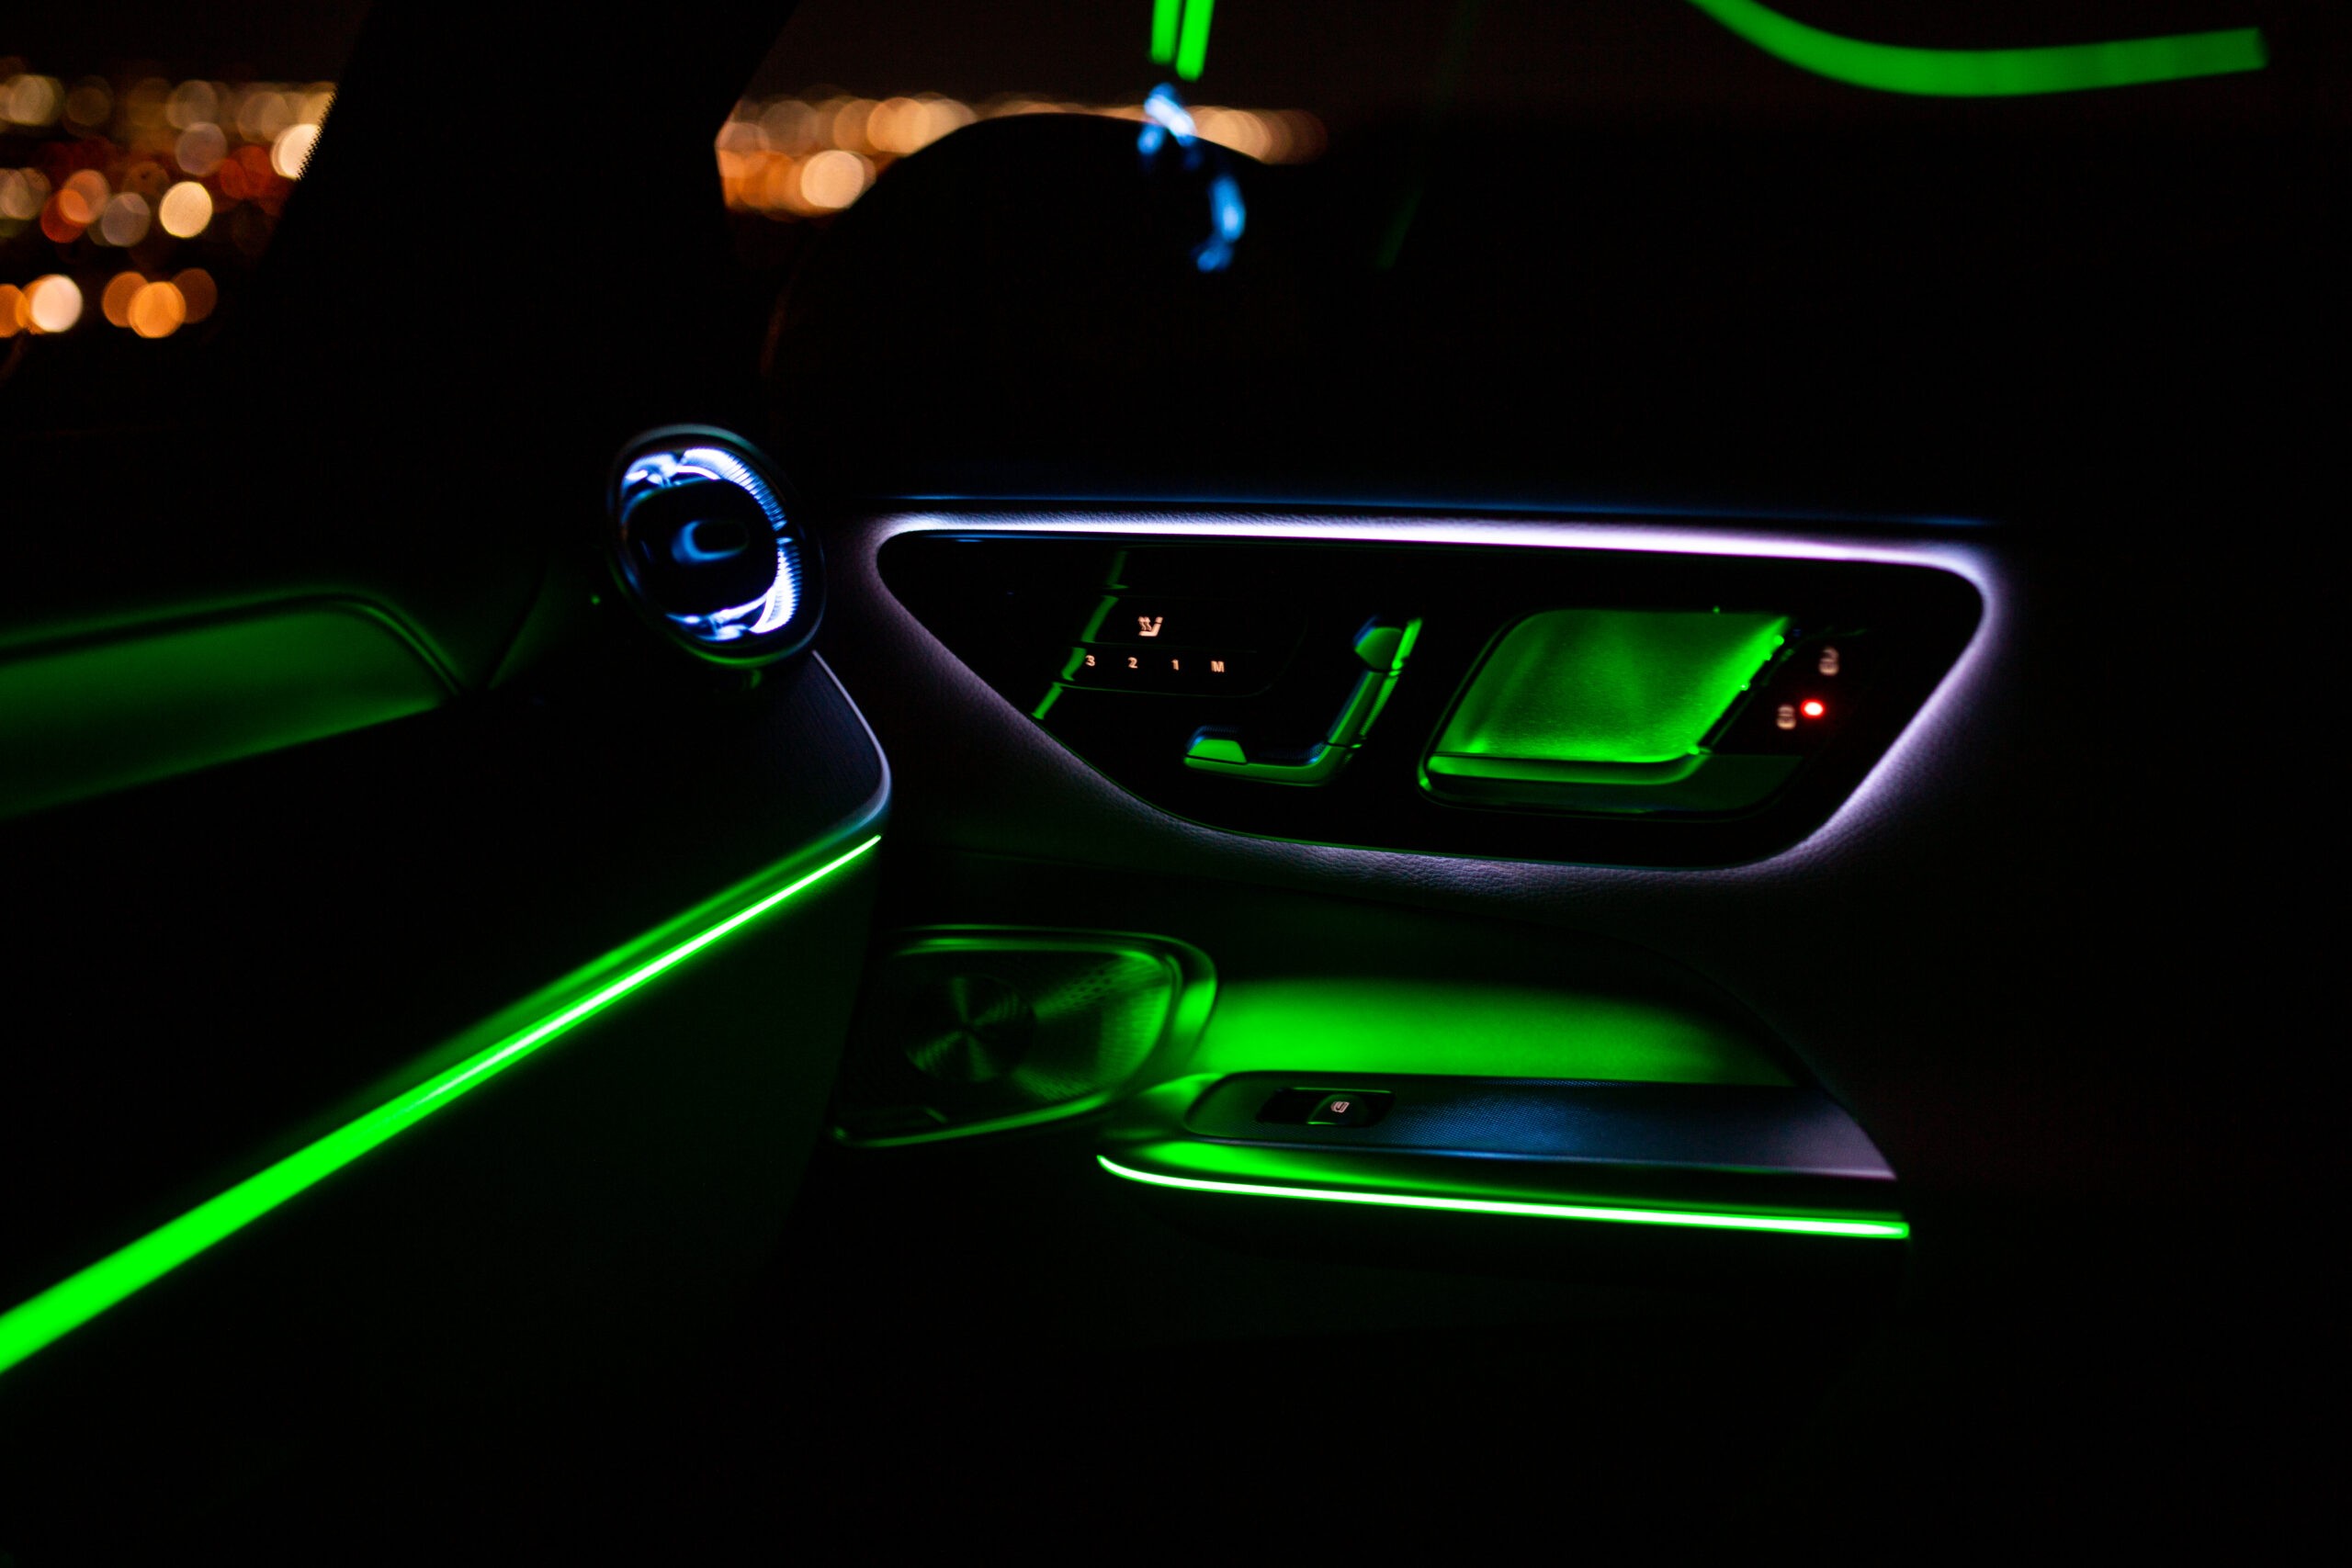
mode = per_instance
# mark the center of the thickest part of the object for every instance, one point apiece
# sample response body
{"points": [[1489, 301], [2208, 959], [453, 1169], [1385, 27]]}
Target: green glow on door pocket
{"points": [[1638, 687], [71, 1303], [1345, 1025], [1793, 1225], [1163, 30], [1990, 72]]}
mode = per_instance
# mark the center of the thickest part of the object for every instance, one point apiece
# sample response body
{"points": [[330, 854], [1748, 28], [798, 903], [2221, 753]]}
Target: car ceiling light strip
{"points": [[1881, 1230], [1990, 73], [1163, 30], [1193, 44], [66, 1306]]}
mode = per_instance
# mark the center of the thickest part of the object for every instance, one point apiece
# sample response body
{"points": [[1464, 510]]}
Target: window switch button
{"points": [[1351, 1107], [1291, 1105]]}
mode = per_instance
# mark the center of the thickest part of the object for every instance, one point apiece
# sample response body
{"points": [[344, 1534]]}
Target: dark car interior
{"points": [[1538, 801]]}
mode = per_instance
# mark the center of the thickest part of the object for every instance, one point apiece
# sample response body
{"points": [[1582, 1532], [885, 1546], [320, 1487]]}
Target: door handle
{"points": [[1382, 645]]}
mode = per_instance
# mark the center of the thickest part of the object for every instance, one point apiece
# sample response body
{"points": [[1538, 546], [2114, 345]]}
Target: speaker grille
{"points": [[962, 1030]]}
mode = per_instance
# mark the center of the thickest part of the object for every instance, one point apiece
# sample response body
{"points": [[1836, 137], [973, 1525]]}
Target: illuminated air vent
{"points": [[705, 547]]}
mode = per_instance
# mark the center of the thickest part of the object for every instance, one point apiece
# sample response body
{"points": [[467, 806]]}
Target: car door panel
{"points": [[476, 1081]]}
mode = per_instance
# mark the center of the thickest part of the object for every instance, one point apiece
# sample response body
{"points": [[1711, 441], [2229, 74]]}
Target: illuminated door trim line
{"points": [[42, 1320], [1875, 1230], [1990, 72]]}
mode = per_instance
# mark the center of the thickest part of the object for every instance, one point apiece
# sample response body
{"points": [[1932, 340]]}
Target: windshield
{"points": [[1496, 238], [146, 156]]}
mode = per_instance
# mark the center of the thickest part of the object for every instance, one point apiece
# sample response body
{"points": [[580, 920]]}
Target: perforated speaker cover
{"points": [[965, 1029]]}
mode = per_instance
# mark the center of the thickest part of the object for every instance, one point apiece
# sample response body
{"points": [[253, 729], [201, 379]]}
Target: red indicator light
{"points": [[1813, 710]]}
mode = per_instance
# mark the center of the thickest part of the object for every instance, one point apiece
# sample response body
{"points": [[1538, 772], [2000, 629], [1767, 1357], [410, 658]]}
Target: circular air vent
{"points": [[703, 545]]}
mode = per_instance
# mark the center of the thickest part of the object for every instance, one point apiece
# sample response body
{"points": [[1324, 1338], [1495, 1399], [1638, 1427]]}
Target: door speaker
{"points": [[964, 1029]]}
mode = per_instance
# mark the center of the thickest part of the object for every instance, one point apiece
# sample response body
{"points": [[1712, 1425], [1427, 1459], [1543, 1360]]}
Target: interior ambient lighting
{"points": [[1795, 1225], [1180, 35], [66, 1306], [1990, 72], [1192, 43], [1163, 30], [1625, 687]]}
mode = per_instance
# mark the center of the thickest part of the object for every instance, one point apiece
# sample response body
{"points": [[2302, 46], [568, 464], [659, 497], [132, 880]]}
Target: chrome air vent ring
{"points": [[706, 550]]}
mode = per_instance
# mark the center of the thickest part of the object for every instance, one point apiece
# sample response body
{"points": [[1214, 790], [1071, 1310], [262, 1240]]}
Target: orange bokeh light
{"points": [[185, 209], [199, 291], [53, 304], [83, 196], [60, 229], [157, 310], [114, 303]]}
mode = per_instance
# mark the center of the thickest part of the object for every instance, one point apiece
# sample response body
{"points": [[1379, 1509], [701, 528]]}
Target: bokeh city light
{"points": [[186, 208], [136, 197], [52, 303], [815, 153], [147, 200]]}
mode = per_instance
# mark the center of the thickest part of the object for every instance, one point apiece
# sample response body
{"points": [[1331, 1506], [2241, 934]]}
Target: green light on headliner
{"points": [[72, 1302], [1163, 30], [1614, 686], [1990, 73], [1881, 1230], [1193, 47]]}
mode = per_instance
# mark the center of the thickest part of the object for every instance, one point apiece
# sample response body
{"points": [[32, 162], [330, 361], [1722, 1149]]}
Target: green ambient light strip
{"points": [[1990, 73], [1884, 1230], [1163, 30], [72, 1302], [1192, 48], [1184, 44]]}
